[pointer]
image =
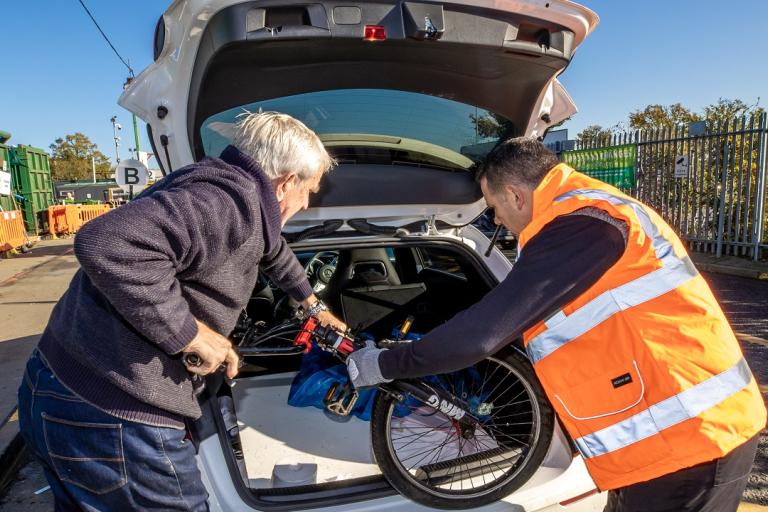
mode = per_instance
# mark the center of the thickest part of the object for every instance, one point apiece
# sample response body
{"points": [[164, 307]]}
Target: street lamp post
{"points": [[116, 127]]}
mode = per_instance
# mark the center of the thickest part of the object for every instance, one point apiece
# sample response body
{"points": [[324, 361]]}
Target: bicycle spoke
{"points": [[514, 438], [511, 424], [512, 400], [513, 403], [477, 447], [491, 461], [510, 415], [485, 380], [445, 443], [414, 440]]}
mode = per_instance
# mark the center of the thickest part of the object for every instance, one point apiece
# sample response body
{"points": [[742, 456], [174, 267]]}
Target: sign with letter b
{"points": [[131, 173]]}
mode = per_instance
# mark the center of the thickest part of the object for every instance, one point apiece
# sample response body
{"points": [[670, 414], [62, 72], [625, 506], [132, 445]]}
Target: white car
{"points": [[408, 96]]}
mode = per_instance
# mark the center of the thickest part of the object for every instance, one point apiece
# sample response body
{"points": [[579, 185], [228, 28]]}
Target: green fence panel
{"points": [[31, 179], [614, 165]]}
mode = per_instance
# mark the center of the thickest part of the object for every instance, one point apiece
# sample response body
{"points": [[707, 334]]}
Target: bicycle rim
{"points": [[433, 454]]}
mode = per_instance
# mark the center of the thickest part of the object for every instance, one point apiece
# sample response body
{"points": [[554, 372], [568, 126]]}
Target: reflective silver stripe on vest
{"points": [[667, 413], [675, 271]]}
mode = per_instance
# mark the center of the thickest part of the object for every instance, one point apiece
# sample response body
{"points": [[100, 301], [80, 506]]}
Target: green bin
{"points": [[31, 179]]}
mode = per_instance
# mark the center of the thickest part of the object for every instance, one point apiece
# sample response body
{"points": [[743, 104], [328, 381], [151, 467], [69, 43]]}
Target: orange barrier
{"points": [[12, 234], [69, 218], [57, 220], [89, 212]]}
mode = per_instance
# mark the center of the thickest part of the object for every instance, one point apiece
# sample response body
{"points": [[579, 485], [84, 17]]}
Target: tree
{"points": [[492, 125], [726, 109], [595, 134], [71, 159], [659, 116]]}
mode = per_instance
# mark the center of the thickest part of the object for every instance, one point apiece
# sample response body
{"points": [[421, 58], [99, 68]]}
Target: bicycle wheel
{"points": [[426, 456]]}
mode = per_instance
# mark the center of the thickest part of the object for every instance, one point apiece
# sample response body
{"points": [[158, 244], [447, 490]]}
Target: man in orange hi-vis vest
{"points": [[628, 341]]}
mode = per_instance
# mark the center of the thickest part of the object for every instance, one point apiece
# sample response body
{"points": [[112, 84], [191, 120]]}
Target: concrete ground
{"points": [[31, 284]]}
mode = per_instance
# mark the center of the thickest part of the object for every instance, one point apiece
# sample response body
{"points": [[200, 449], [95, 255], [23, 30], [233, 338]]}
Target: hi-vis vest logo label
{"points": [[621, 380], [447, 408]]}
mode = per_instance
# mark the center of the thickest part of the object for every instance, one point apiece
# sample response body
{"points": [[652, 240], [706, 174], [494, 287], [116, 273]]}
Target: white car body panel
{"points": [[166, 82]]}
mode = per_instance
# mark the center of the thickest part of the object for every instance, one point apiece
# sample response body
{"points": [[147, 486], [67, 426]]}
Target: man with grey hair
{"points": [[105, 395]]}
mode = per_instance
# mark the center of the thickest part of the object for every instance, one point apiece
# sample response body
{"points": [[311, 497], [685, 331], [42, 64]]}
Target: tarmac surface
{"points": [[31, 284]]}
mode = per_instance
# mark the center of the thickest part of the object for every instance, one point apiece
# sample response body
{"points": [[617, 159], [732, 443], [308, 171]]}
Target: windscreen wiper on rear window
{"points": [[366, 228], [328, 227], [360, 225]]}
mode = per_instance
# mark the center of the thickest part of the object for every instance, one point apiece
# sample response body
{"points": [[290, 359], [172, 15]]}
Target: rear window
{"points": [[379, 126]]}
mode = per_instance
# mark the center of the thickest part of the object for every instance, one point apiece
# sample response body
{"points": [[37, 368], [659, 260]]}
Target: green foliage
{"points": [[595, 134], [659, 116], [726, 109], [492, 126], [71, 159]]}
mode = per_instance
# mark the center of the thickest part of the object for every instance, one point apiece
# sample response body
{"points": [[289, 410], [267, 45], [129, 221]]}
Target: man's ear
{"points": [[515, 195], [283, 184]]}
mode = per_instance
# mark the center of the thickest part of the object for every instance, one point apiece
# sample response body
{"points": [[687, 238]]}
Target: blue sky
{"points": [[59, 76]]}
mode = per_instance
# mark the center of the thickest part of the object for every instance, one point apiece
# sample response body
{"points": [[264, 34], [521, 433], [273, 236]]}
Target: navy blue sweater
{"points": [[188, 248]]}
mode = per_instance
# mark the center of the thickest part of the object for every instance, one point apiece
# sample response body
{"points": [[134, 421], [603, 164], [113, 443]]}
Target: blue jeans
{"points": [[95, 461]]}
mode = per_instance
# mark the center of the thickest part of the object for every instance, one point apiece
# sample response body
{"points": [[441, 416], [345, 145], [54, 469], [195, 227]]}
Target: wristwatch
{"points": [[316, 308]]}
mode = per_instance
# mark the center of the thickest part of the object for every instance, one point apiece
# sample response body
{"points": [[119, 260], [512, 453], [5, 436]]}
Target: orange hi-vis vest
{"points": [[643, 369]]}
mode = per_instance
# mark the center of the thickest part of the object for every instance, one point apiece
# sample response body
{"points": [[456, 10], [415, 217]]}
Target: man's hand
{"points": [[214, 350], [363, 366], [326, 318]]}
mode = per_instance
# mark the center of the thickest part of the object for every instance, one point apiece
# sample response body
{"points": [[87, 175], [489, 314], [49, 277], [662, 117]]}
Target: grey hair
{"points": [[281, 144], [521, 161]]}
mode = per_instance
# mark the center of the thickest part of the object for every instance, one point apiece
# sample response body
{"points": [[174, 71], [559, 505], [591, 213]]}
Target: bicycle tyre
{"points": [[413, 486]]}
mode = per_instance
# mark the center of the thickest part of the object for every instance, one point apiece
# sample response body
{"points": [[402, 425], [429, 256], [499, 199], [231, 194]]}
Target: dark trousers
{"points": [[96, 462], [714, 486]]}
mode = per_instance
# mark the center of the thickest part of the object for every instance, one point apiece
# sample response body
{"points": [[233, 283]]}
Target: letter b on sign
{"points": [[131, 176]]}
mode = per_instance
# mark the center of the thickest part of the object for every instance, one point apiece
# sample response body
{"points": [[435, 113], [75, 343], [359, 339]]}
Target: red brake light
{"points": [[375, 33]]}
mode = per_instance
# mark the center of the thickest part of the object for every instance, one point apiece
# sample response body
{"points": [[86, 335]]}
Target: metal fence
{"points": [[707, 180]]}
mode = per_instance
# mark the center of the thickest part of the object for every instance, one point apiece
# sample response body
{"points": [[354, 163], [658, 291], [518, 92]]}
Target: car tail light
{"points": [[375, 33]]}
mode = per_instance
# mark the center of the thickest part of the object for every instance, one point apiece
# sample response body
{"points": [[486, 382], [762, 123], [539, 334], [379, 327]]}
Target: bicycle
{"points": [[454, 441]]}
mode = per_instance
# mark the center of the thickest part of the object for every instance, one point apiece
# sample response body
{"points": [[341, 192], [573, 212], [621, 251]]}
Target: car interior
{"points": [[373, 289]]}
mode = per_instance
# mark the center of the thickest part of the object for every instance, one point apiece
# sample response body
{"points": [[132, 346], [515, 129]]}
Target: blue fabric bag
{"points": [[319, 370]]}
